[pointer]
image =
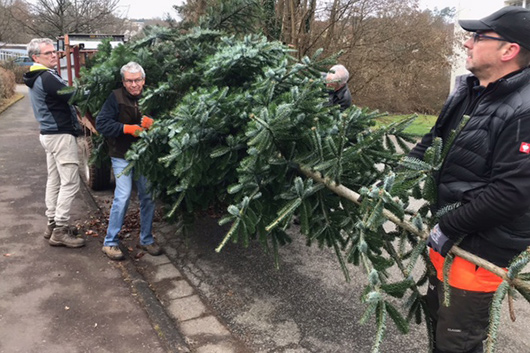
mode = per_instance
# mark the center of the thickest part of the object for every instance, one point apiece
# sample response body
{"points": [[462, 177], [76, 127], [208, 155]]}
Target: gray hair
{"points": [[339, 73], [132, 68], [34, 45]]}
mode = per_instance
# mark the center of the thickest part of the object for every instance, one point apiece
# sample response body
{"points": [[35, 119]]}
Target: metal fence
{"points": [[8, 55]]}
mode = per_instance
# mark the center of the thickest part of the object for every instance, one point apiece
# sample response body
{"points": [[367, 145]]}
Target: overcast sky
{"points": [[466, 8], [431, 4], [158, 8], [148, 8]]}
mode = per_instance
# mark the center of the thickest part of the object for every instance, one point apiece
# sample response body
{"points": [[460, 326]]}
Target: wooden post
{"points": [[68, 59]]}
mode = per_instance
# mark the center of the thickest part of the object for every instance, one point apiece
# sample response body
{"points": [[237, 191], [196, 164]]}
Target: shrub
{"points": [[7, 83], [19, 71]]}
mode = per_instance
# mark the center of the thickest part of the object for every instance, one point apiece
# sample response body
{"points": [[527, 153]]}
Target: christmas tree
{"points": [[243, 127]]}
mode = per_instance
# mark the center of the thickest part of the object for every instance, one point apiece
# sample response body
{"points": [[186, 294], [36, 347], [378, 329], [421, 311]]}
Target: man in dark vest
{"points": [[486, 173], [120, 121]]}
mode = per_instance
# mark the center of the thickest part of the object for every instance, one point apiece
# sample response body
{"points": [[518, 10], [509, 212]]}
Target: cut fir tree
{"points": [[243, 126]]}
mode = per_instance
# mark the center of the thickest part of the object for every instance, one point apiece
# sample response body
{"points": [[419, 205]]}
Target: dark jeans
{"points": [[461, 327]]}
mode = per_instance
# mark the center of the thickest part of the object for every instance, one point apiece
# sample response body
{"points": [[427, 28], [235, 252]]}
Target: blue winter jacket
{"points": [[50, 107]]}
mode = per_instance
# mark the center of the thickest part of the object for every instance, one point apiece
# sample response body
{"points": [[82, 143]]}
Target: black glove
{"points": [[439, 242]]}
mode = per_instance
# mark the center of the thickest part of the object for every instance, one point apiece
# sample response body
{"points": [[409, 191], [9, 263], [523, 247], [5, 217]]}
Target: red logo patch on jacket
{"points": [[525, 147]]}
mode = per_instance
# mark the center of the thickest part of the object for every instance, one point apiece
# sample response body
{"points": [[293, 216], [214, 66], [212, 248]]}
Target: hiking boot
{"points": [[113, 252], [51, 226], [49, 229], [152, 249], [64, 236]]}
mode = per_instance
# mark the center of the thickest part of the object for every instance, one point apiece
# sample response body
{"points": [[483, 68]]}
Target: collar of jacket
{"points": [[503, 85], [130, 96], [36, 67]]}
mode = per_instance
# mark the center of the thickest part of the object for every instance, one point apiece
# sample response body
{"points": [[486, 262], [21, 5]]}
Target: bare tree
{"points": [[10, 30], [5, 20], [399, 60], [192, 10], [398, 56], [52, 18]]}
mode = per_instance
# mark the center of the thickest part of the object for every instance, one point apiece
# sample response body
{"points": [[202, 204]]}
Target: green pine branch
{"points": [[244, 127]]}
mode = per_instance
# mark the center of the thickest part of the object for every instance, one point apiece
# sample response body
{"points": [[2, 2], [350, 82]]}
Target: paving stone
{"points": [[208, 325], [181, 289], [170, 251], [167, 271], [156, 260], [187, 308], [224, 347]]}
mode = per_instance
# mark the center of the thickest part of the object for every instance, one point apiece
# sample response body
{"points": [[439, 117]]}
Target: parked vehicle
{"points": [[23, 61]]}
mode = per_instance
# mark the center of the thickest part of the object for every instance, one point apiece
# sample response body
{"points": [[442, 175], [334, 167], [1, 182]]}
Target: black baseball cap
{"points": [[511, 23]]}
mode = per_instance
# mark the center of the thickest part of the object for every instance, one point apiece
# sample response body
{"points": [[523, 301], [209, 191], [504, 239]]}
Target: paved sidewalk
{"points": [[183, 302], [54, 299]]}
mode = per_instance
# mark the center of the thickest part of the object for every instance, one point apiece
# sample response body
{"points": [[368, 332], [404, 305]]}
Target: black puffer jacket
{"points": [[487, 168]]}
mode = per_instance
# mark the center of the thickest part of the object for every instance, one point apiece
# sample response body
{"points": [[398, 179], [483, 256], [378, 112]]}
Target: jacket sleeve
{"points": [[507, 196], [419, 150], [107, 122], [456, 97], [345, 100], [52, 84]]}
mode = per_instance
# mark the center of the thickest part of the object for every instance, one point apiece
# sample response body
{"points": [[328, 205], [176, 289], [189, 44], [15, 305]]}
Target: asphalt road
{"points": [[306, 305]]}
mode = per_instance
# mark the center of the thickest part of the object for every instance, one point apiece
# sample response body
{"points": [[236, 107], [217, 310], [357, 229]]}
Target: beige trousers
{"points": [[63, 175]]}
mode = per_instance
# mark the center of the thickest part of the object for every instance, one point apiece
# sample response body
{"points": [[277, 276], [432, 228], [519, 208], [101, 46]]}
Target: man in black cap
{"points": [[486, 173]]}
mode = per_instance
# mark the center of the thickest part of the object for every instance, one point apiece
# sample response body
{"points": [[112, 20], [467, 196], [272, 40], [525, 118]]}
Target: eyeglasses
{"points": [[137, 81], [477, 37], [53, 52]]}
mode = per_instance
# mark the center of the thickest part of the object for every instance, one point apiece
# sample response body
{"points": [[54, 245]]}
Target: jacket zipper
{"points": [[137, 111]]}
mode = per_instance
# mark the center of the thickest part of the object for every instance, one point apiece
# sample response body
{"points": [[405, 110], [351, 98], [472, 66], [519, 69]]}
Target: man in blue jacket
{"points": [[120, 121], [58, 131]]}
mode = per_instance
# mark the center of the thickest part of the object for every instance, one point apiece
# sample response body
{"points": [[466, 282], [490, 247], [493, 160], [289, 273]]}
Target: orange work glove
{"points": [[147, 122], [132, 129]]}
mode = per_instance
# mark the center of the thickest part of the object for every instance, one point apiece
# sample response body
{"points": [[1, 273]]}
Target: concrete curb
{"points": [[162, 323], [11, 101], [183, 319]]}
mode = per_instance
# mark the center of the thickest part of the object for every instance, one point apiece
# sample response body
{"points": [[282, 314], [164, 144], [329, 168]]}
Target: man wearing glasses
{"points": [[486, 172], [121, 121], [58, 131]]}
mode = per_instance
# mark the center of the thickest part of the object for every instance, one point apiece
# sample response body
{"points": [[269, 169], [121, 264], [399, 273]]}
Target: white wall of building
{"points": [[469, 9]]}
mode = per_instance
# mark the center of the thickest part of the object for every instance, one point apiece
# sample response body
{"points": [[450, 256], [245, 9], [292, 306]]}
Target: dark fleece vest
{"points": [[129, 114]]}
